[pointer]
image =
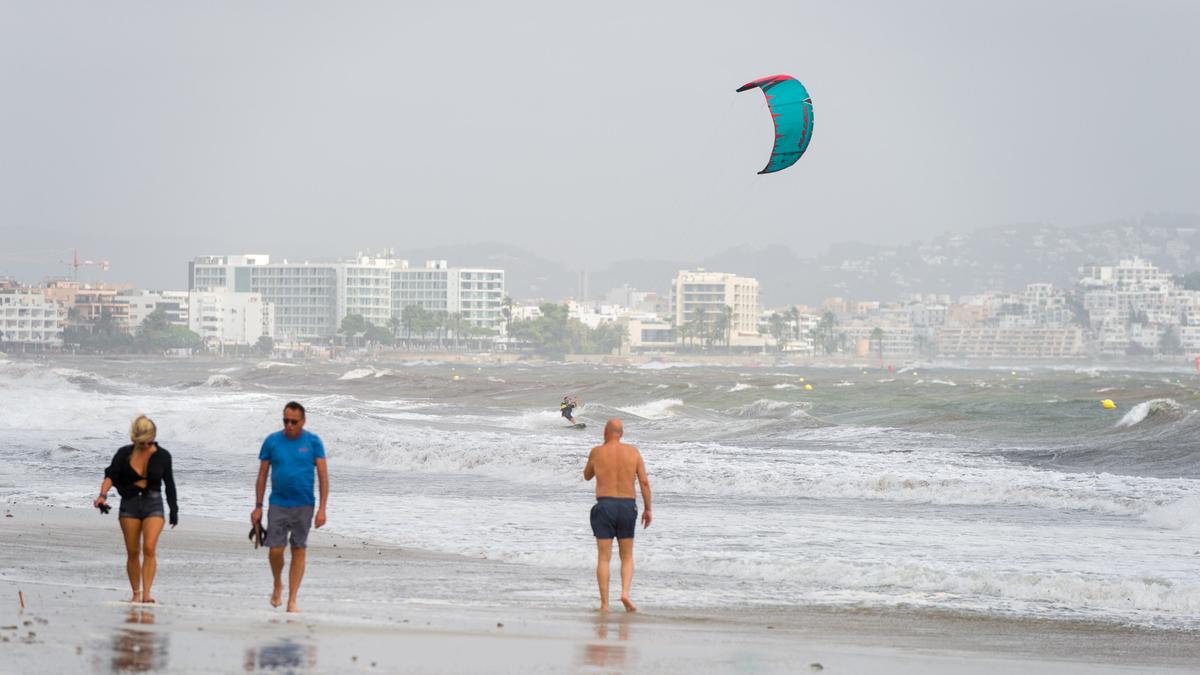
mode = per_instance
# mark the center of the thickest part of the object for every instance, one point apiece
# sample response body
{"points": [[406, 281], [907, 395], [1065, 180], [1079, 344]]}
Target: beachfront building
{"points": [[1014, 343], [305, 295], [475, 293], [649, 334], [892, 339], [1135, 307], [86, 303], [225, 317], [364, 288], [173, 304], [29, 320], [312, 298], [699, 297]]}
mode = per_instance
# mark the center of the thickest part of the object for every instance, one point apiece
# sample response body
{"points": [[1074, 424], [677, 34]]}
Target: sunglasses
{"points": [[290, 423]]}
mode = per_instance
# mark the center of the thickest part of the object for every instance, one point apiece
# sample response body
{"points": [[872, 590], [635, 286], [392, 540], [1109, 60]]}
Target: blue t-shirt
{"points": [[293, 467]]}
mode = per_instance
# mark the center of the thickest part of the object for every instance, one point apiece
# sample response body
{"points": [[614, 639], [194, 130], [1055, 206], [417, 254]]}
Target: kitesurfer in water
{"points": [[567, 407]]}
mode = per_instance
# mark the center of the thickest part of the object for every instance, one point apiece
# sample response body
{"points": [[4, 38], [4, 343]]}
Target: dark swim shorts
{"points": [[614, 517], [141, 506]]}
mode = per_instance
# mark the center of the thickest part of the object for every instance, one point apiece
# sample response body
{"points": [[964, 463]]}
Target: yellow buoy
{"points": [[808, 387], [802, 379], [1108, 404]]}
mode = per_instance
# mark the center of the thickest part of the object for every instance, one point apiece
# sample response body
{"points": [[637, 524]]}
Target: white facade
{"points": [[311, 299], [475, 293], [705, 295], [648, 333], [28, 318], [364, 288], [142, 304], [227, 317]]}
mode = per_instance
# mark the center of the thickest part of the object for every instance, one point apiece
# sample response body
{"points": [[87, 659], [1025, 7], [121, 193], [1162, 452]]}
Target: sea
{"points": [[997, 491]]}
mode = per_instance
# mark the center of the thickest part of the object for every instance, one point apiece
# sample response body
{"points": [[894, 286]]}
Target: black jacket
{"points": [[158, 471]]}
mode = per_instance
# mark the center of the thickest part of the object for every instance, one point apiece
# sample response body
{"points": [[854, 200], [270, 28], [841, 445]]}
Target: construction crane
{"points": [[76, 263]]}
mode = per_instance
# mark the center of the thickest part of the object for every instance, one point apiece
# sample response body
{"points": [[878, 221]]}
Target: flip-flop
{"points": [[258, 534]]}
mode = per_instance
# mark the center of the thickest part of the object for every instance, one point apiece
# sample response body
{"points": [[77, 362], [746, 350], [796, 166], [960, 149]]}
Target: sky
{"points": [[147, 133]]}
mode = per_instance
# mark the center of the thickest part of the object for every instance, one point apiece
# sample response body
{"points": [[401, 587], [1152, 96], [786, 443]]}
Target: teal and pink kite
{"points": [[792, 112]]}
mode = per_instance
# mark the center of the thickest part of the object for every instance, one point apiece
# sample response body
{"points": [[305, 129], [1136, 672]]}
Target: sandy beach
{"points": [[374, 608]]}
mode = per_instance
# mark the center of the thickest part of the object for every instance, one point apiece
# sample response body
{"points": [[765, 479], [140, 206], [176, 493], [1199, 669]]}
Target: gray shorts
{"points": [[284, 521], [142, 506]]}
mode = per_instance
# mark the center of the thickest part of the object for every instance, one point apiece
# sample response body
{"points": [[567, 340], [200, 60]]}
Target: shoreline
{"points": [[500, 358], [358, 600]]}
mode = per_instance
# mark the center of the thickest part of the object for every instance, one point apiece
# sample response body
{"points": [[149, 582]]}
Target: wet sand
{"points": [[371, 608]]}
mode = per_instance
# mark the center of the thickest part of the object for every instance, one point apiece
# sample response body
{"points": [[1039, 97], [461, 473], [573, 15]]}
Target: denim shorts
{"points": [[142, 505]]}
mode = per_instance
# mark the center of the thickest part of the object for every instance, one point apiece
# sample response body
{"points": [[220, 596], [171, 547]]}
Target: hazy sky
{"points": [[150, 132]]}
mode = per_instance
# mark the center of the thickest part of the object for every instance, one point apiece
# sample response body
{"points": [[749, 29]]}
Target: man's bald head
{"points": [[613, 430]]}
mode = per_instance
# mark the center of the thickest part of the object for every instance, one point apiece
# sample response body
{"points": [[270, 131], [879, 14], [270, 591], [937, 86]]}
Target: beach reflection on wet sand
{"points": [[607, 654], [136, 650], [285, 655]]}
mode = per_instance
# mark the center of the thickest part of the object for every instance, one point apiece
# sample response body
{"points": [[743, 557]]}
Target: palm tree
{"points": [[394, 325], [720, 326], [794, 315], [780, 330], [506, 310], [727, 319], [827, 324], [877, 338], [700, 317]]}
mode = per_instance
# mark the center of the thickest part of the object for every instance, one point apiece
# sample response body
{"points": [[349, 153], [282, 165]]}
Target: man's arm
{"points": [[589, 471], [260, 489], [644, 481], [323, 479]]}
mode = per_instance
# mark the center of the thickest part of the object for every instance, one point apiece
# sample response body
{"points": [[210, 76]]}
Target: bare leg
{"points": [[131, 528], [625, 550], [603, 556], [276, 557], [151, 528], [295, 576]]}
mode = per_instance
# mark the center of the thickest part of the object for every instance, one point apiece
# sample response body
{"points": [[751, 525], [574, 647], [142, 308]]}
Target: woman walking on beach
{"points": [[138, 471]]}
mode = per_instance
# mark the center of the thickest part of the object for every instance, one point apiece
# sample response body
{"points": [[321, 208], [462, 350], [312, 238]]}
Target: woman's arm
{"points": [[104, 488], [169, 479], [110, 475]]}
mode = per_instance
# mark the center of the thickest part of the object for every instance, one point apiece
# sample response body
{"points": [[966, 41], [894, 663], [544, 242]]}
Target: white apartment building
{"points": [[897, 339], [29, 319], [475, 293], [707, 294], [143, 303], [1020, 343], [227, 317], [311, 299], [647, 333], [1133, 302], [305, 295], [364, 288], [1126, 274]]}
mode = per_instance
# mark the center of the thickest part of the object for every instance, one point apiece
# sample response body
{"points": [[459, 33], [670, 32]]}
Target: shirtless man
{"points": [[615, 465]]}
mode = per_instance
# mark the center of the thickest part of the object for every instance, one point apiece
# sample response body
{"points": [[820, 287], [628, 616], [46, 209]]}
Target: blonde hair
{"points": [[142, 432]]}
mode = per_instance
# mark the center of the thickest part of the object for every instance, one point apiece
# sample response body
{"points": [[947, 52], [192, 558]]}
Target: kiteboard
{"points": [[579, 425]]}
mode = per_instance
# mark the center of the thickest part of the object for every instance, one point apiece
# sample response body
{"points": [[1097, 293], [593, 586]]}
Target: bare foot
{"points": [[277, 596], [604, 607], [137, 597], [147, 600], [293, 607], [628, 605]]}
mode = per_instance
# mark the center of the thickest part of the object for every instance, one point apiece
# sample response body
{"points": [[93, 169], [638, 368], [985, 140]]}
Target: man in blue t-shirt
{"points": [[290, 457]]}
